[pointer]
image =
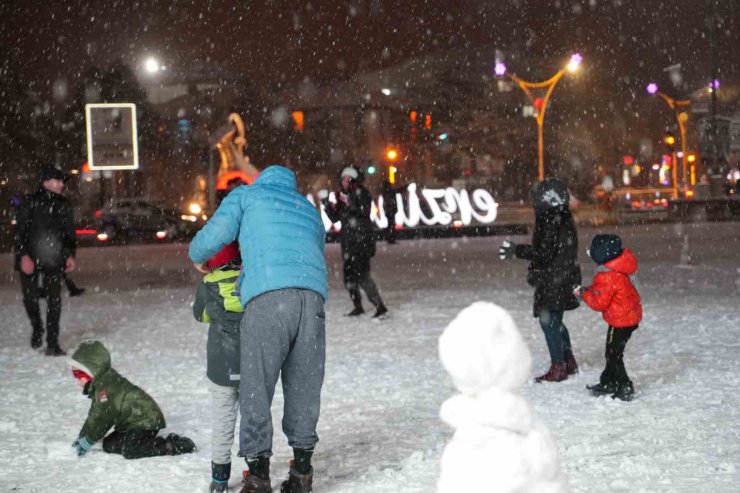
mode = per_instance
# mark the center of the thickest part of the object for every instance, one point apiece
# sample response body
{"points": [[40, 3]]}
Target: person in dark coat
{"points": [[390, 206], [45, 246], [358, 242], [553, 271]]}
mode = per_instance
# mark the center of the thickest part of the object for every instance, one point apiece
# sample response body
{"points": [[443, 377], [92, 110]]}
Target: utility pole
{"points": [[715, 166]]}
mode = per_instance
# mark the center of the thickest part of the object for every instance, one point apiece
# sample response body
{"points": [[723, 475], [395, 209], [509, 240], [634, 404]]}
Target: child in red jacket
{"points": [[613, 294]]}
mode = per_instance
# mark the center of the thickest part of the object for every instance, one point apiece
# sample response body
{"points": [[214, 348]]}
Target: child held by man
{"points": [[217, 302], [117, 403], [613, 293]]}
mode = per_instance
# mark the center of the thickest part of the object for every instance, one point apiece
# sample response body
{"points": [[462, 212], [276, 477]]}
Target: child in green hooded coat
{"points": [[117, 403]]}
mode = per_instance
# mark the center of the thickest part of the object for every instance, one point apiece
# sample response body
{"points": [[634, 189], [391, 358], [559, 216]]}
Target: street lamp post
{"points": [[540, 104], [670, 141], [391, 155], [679, 107]]}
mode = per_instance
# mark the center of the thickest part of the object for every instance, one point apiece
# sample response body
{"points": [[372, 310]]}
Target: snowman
{"points": [[499, 445]]}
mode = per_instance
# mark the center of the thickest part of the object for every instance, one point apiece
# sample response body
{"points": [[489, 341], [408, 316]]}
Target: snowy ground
{"points": [[379, 426]]}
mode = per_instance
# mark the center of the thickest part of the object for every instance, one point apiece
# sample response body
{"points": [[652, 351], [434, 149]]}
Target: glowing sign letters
{"points": [[439, 207]]}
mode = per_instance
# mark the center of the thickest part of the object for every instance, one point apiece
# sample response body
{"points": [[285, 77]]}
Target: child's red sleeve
{"points": [[599, 295]]}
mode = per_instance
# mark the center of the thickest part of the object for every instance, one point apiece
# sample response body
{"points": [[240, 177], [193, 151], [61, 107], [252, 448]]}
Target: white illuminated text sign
{"points": [[440, 207]]}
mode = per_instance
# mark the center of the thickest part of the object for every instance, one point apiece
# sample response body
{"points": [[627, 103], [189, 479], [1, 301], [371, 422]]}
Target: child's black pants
{"points": [[616, 340], [136, 444]]}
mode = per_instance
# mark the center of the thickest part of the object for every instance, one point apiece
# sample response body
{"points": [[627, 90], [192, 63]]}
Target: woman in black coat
{"points": [[553, 272]]}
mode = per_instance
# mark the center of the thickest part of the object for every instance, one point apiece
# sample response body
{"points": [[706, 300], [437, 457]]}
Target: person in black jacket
{"points": [[45, 246], [390, 206], [553, 271], [357, 239]]}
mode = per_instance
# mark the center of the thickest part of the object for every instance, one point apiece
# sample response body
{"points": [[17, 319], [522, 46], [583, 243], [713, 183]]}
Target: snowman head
{"points": [[482, 348]]}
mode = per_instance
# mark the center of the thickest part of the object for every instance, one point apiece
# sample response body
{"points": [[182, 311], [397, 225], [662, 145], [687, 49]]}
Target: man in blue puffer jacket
{"points": [[283, 287]]}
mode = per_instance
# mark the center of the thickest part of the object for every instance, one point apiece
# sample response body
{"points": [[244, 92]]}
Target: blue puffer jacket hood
{"points": [[281, 236]]}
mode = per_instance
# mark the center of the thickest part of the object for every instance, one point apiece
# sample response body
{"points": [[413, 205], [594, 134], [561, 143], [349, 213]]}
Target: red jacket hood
{"points": [[626, 263]]}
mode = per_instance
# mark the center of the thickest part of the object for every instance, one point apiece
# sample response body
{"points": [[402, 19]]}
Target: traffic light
{"points": [[371, 169], [669, 139], [391, 154]]}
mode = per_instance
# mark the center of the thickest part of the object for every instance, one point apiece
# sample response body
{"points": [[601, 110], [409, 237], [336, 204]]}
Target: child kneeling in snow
{"points": [[613, 294], [119, 404], [217, 302]]}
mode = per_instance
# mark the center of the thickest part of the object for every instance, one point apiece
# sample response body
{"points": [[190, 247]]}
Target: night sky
{"points": [[287, 41]]}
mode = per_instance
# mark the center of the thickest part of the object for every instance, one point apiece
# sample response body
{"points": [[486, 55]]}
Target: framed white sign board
{"points": [[112, 142]]}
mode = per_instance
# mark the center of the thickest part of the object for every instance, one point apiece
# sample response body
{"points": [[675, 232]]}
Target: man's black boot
{"points": [[356, 312], [380, 311], [37, 338], [257, 479], [75, 291], [55, 350], [297, 482]]}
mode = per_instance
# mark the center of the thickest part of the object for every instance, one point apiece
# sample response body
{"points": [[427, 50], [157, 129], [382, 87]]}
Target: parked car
{"points": [[140, 220]]}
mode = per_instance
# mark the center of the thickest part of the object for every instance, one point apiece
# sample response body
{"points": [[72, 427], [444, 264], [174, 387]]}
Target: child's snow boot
{"points": [[570, 363], [254, 484], [220, 474], [178, 445], [557, 373], [602, 388], [297, 482], [218, 486]]}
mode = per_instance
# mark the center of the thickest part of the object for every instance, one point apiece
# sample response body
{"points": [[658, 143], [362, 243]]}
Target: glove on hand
{"points": [[507, 250], [578, 290], [82, 445]]}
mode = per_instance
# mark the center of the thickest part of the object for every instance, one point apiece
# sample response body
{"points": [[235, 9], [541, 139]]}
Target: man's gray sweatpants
{"points": [[282, 335]]}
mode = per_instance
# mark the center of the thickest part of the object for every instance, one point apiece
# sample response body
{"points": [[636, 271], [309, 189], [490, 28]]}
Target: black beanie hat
{"points": [[549, 194], [605, 248], [52, 173]]}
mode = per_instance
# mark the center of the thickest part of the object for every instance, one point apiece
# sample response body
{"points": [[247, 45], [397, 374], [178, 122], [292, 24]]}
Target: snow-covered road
{"points": [[384, 385]]}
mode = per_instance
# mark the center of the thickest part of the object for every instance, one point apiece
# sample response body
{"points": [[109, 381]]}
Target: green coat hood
{"points": [[92, 357]]}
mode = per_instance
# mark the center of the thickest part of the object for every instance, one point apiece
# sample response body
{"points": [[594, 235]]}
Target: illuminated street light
{"points": [[152, 66], [391, 154], [682, 117], [575, 62], [540, 104]]}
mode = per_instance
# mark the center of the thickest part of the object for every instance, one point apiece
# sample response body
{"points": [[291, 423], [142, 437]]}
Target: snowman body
{"points": [[499, 445]]}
